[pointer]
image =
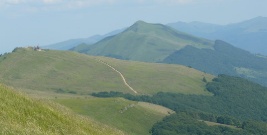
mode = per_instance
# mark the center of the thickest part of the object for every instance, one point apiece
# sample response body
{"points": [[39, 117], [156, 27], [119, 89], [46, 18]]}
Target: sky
{"points": [[44, 22]]}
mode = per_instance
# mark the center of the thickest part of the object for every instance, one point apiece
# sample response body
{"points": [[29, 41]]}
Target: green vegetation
{"points": [[183, 123], [73, 73], [159, 43], [128, 116], [192, 123], [145, 42], [150, 78], [22, 115], [233, 96], [80, 47], [57, 71], [235, 101], [186, 123], [224, 59]]}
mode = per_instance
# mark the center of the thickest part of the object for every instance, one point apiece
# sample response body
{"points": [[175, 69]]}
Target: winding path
{"points": [[123, 78]]}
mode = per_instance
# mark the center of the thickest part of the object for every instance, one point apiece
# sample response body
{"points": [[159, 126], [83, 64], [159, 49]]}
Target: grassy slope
{"points": [[58, 71], [22, 115], [136, 119], [145, 42], [150, 78]]}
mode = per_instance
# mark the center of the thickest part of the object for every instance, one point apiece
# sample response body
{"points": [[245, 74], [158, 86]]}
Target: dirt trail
{"points": [[123, 78]]}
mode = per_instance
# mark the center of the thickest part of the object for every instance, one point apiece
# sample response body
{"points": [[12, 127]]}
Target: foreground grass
{"points": [[135, 118], [22, 115]]}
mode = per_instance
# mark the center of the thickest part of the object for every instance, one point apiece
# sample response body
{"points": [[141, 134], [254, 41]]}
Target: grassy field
{"points": [[150, 78], [22, 115], [78, 74], [57, 71], [134, 118]]}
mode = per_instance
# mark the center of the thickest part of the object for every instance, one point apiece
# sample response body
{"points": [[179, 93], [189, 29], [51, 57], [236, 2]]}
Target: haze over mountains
{"points": [[249, 35], [159, 43], [66, 45]]}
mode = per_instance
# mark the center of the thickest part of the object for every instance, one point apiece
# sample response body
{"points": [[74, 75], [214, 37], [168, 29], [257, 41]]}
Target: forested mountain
{"points": [[224, 58]]}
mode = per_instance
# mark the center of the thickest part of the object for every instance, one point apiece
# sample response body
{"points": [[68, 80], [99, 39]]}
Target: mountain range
{"points": [[249, 35], [68, 44], [160, 43]]}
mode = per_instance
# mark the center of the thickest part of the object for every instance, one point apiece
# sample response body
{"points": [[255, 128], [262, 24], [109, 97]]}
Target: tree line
{"points": [[235, 101]]}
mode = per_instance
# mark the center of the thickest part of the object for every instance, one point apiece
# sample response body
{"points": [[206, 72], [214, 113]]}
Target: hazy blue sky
{"points": [[32, 22]]}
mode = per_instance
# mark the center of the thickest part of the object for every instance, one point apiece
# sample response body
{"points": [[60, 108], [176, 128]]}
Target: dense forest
{"points": [[235, 101]]}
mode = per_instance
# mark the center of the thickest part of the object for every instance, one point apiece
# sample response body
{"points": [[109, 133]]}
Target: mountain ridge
{"points": [[71, 43], [249, 34], [145, 42]]}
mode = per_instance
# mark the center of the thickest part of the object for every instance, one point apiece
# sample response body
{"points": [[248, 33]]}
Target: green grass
{"points": [[150, 78], [78, 74], [134, 118], [58, 71], [22, 115]]}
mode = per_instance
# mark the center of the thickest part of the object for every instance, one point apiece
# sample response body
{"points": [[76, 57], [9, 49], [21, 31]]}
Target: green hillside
{"points": [[57, 71], [73, 73], [145, 42], [131, 117], [224, 59], [22, 115]]}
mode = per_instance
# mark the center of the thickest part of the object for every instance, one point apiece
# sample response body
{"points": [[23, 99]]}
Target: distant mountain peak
{"points": [[138, 25], [140, 22]]}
